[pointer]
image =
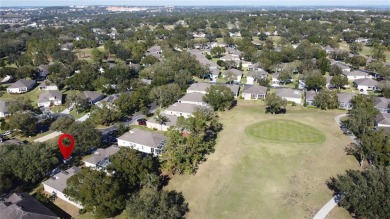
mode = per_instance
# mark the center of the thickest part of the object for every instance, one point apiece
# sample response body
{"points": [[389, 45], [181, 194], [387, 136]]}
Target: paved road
{"points": [[326, 209], [337, 119], [48, 137]]}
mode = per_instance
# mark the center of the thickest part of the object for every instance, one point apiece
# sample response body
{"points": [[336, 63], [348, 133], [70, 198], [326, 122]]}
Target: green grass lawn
{"points": [[32, 95], [249, 177], [285, 131]]}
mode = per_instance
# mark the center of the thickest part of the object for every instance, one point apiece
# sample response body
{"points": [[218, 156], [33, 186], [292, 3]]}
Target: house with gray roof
{"points": [[23, 206], [366, 84], [309, 98], [3, 109], [235, 88], [344, 67], [155, 51], [234, 72], [99, 159], [253, 76], [345, 100], [254, 67], [353, 75], [141, 140], [254, 92], [198, 88], [50, 98], [47, 86], [93, 96], [181, 109], [109, 101], [382, 104], [57, 183], [152, 123], [289, 94], [214, 73], [21, 86], [193, 98], [383, 120]]}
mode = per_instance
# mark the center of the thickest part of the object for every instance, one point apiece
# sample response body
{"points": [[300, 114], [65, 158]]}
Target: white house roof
{"points": [[58, 181], [143, 137]]}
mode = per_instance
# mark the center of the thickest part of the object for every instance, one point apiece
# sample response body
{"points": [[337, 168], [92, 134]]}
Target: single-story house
{"points": [[3, 109], [254, 92], [153, 124], [93, 96], [310, 95], [345, 100], [23, 206], [142, 140], [230, 57], [193, 98], [234, 72], [382, 104], [56, 185], [275, 79], [198, 88], [50, 98], [155, 51], [366, 84], [383, 120], [289, 94], [99, 160], [50, 86], [254, 67], [181, 109], [234, 88], [253, 76], [353, 75], [344, 67], [43, 72], [214, 73], [109, 101], [21, 86]]}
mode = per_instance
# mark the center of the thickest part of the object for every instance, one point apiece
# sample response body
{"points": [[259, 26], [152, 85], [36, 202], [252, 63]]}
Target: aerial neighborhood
{"points": [[199, 112]]}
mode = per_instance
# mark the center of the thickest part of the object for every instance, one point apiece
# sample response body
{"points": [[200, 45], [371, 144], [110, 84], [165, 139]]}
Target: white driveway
{"points": [[326, 209], [83, 118], [48, 137]]}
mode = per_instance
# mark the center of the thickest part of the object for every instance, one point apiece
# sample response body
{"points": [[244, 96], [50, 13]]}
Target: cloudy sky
{"points": [[5, 3]]}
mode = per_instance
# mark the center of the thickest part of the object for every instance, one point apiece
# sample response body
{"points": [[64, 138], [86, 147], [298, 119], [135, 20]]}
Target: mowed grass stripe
{"points": [[285, 131]]}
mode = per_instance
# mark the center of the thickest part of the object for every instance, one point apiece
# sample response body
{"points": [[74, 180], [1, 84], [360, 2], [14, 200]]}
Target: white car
{"points": [[7, 133]]}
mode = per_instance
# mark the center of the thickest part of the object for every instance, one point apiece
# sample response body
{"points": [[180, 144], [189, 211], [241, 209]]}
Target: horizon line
{"points": [[281, 5]]}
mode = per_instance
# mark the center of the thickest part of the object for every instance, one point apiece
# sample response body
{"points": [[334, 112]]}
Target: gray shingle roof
{"points": [[383, 119], [366, 82], [310, 95], [46, 96], [182, 107], [3, 106], [22, 83], [233, 87], [192, 97], [101, 154], [381, 102], [142, 137], [288, 92], [255, 89], [345, 97], [58, 181], [235, 72], [92, 95], [24, 206], [355, 73], [258, 74], [199, 87]]}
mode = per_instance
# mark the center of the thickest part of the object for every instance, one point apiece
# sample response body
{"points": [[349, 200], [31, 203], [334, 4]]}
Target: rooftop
{"points": [[3, 106], [199, 87], [255, 89], [192, 97], [22, 83], [101, 155], [143, 137], [46, 96], [182, 107], [58, 181], [366, 82], [288, 92], [345, 97]]}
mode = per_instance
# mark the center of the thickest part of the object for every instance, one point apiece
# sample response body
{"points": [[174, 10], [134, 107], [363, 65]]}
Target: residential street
{"points": [[48, 137]]}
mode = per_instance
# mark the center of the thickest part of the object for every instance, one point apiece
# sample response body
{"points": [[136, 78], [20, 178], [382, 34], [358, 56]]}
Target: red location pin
{"points": [[66, 150]]}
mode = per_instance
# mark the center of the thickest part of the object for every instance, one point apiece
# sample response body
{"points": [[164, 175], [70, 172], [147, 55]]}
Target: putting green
{"points": [[285, 131]]}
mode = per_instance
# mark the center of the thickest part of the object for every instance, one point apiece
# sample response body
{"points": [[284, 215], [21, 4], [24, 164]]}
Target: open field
{"points": [[249, 177]]}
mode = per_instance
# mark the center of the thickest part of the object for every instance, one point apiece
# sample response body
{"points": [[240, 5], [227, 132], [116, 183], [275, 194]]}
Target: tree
{"points": [[25, 122], [377, 147], [105, 115], [326, 100], [78, 101], [364, 194], [161, 119], [335, 70], [355, 48], [165, 95], [85, 135], [217, 51], [263, 82], [230, 76], [323, 64], [339, 81], [379, 52], [96, 191], [98, 55], [65, 57], [385, 88], [19, 104], [219, 97], [149, 60], [357, 61], [62, 124], [284, 77], [131, 168], [153, 204], [275, 104], [315, 81]]}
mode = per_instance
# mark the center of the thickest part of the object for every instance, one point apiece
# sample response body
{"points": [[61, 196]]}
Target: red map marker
{"points": [[66, 150]]}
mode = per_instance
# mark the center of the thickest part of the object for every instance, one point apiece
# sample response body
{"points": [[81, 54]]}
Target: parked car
{"points": [[7, 133]]}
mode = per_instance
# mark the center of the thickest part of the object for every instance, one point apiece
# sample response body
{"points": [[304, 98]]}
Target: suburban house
{"points": [[353, 75], [214, 73], [383, 120], [234, 88], [193, 98], [155, 51], [290, 95], [230, 57], [310, 95], [48, 86], [366, 84], [56, 184], [50, 98], [198, 88], [152, 123], [345, 100], [3, 109], [43, 72], [109, 101], [144, 141], [253, 76], [342, 66], [181, 109], [275, 79], [254, 67], [234, 72], [251, 92], [23, 206], [99, 160], [21, 86], [382, 104], [93, 96]]}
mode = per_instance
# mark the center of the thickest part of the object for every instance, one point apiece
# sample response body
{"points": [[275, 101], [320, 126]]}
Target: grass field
{"points": [[249, 177]]}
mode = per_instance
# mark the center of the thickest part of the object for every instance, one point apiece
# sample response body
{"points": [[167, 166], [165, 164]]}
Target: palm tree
{"points": [[161, 119]]}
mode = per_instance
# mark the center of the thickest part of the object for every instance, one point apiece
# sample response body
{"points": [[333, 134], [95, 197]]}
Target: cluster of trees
{"points": [[219, 97], [135, 177], [275, 104]]}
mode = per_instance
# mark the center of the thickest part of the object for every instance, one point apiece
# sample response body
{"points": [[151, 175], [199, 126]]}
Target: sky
{"points": [[6, 3]]}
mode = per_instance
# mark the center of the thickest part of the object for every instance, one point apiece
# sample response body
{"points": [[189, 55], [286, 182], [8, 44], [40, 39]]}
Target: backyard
{"points": [[268, 166]]}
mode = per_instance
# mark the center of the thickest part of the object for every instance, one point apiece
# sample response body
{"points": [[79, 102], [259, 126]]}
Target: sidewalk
{"points": [[48, 137], [326, 209]]}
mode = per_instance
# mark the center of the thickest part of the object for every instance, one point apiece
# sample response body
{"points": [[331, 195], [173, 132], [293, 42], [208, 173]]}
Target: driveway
{"points": [[83, 118], [326, 209], [48, 137]]}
